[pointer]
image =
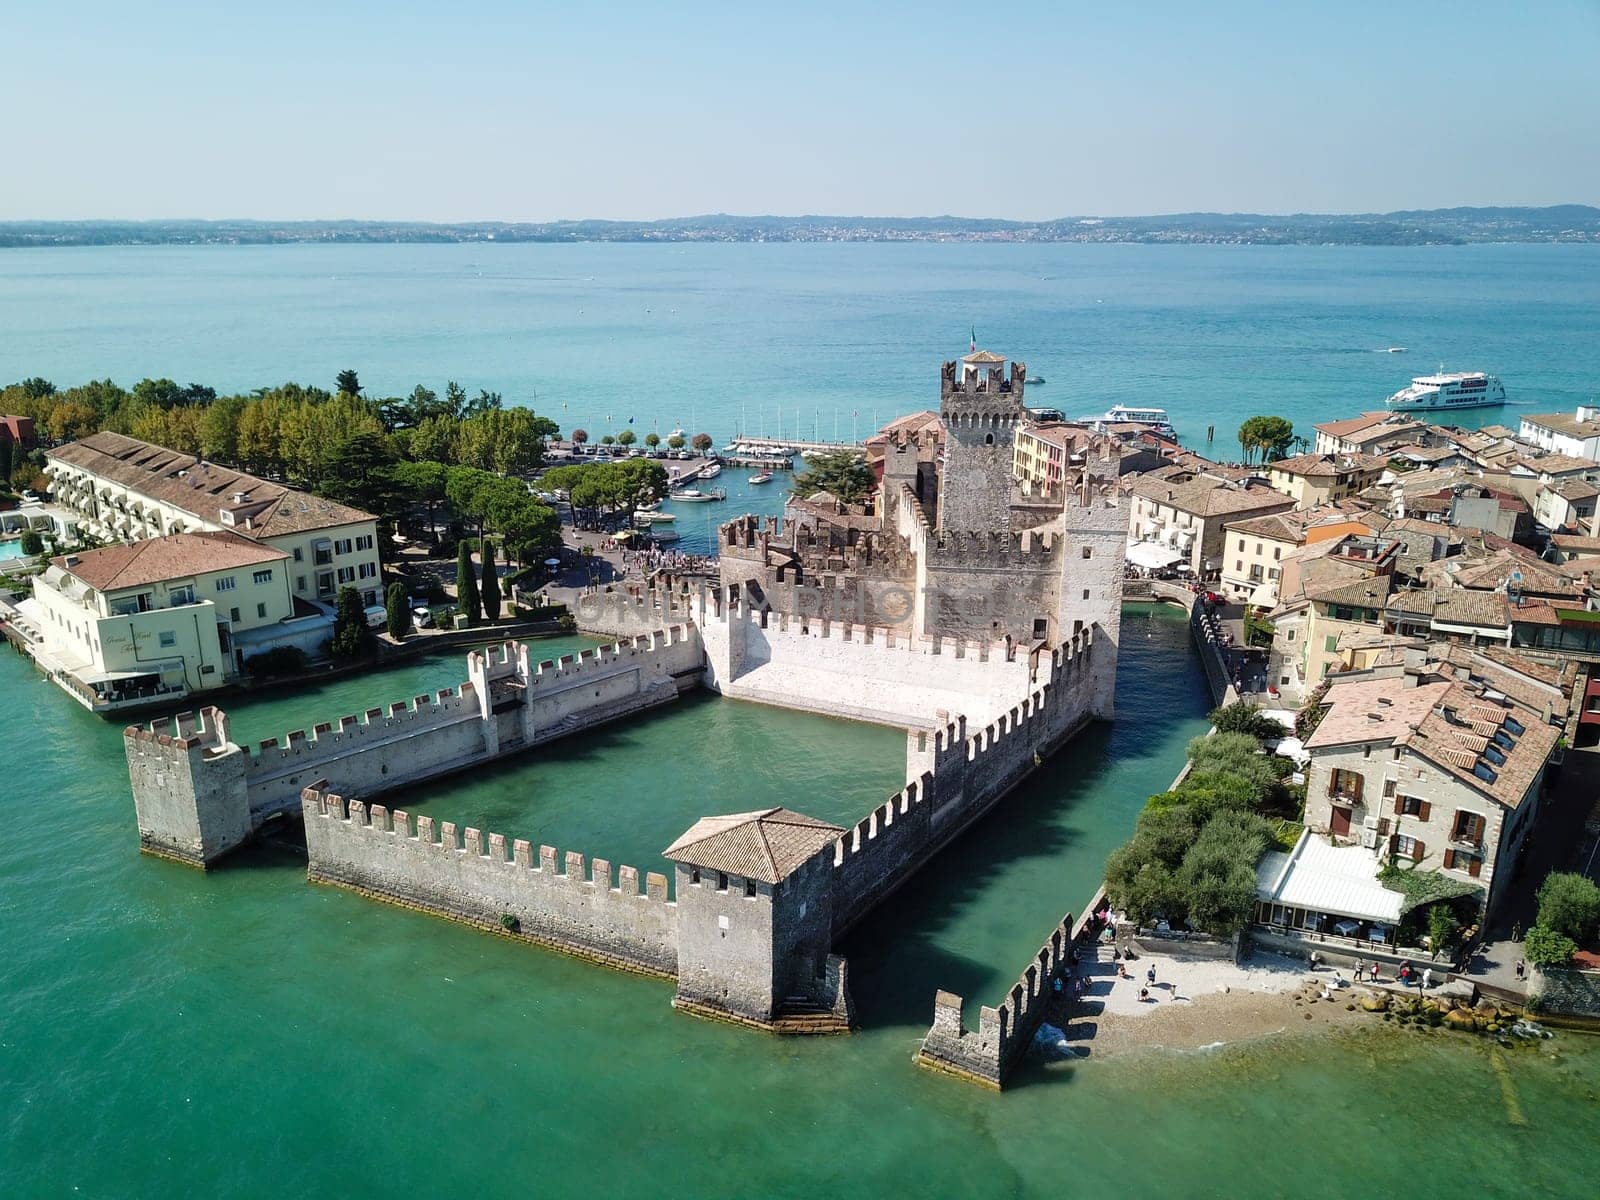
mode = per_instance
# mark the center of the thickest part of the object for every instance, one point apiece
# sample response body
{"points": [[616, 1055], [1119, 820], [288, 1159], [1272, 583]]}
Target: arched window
{"points": [[988, 439]]}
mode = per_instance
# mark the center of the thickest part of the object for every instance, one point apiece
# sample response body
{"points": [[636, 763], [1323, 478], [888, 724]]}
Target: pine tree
{"points": [[491, 583], [467, 601], [398, 609]]}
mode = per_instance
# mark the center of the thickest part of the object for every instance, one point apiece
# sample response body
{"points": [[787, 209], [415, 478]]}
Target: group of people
{"points": [[650, 559]]}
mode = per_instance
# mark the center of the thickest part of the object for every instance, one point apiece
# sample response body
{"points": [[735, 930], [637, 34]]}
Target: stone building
{"points": [[1432, 771], [955, 545]]}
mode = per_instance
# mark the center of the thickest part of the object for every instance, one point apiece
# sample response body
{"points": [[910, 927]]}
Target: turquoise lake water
{"points": [[166, 1032], [244, 1033]]}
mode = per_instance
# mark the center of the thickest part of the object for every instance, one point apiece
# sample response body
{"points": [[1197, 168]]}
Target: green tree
{"points": [[489, 592], [422, 483], [1442, 926], [626, 438], [32, 543], [351, 637], [701, 442], [675, 442], [1548, 947], [356, 470], [1569, 904], [580, 436], [1265, 435], [348, 382], [397, 609], [468, 602], [608, 440], [843, 474], [652, 440], [1244, 717]]}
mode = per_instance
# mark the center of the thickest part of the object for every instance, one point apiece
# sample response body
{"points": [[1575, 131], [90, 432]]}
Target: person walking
{"points": [[1150, 975], [1374, 972], [1427, 978]]}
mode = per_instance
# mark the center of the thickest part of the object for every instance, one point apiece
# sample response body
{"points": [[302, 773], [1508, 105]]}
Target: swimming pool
{"points": [[11, 548]]}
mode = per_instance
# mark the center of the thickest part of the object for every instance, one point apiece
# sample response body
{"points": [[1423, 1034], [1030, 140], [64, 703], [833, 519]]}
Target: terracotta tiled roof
{"points": [[1281, 526], [176, 556], [1481, 742], [765, 846], [1352, 425], [1326, 466], [1207, 497], [205, 490], [984, 356], [1369, 592]]}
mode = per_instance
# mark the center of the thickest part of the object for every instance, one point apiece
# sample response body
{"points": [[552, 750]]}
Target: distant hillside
{"points": [[1439, 226]]}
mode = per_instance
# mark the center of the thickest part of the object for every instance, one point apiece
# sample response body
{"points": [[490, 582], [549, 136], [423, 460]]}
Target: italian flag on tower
{"points": [[974, 349]]}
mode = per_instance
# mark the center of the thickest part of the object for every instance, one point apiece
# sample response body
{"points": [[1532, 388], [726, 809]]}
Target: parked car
{"points": [[377, 617], [422, 618]]}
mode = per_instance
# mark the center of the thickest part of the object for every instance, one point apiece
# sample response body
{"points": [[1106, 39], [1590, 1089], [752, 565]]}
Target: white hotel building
{"points": [[128, 490]]}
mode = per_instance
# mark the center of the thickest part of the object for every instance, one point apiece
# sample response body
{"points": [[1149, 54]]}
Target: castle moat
{"points": [[173, 1030]]}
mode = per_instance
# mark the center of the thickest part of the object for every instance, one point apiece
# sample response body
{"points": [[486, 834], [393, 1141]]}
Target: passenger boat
{"points": [[761, 477], [690, 496], [1156, 418], [1459, 389]]}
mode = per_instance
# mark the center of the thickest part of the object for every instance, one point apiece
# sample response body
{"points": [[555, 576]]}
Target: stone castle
{"points": [[979, 619]]}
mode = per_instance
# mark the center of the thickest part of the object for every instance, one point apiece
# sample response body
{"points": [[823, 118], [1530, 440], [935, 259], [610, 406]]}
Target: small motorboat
{"points": [[1396, 350], [761, 477], [711, 471], [691, 496], [1036, 381], [661, 518], [664, 535]]}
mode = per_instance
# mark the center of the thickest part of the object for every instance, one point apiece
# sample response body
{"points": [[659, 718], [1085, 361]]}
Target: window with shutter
{"points": [[1449, 859], [1416, 850], [1475, 866], [1422, 810]]}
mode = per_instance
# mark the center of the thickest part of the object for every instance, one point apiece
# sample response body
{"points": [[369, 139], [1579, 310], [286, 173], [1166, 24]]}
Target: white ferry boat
{"points": [[1459, 389], [1156, 418]]}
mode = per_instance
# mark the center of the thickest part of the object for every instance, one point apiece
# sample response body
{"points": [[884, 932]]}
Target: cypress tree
{"points": [[398, 610], [350, 632], [491, 582], [467, 602]]}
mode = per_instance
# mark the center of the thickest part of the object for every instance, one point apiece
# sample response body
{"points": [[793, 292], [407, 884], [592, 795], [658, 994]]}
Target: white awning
{"points": [[1152, 556], [1265, 595], [1322, 877]]}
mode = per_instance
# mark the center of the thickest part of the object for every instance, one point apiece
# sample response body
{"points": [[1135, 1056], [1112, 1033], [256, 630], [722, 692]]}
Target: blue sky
{"points": [[499, 110]]}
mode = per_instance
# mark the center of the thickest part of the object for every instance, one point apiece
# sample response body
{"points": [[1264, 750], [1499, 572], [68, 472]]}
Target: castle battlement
{"points": [[983, 394], [185, 731], [566, 902], [1003, 1032], [327, 738], [1030, 549]]}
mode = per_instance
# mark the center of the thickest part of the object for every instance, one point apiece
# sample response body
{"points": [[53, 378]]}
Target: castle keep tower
{"points": [[981, 408]]}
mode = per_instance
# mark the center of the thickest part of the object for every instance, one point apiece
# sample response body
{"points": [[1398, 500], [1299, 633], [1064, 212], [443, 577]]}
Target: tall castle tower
{"points": [[981, 408]]}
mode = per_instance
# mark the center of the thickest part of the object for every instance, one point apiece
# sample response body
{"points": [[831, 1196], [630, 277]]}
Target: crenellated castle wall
{"points": [[985, 1054], [199, 795], [556, 902], [961, 771]]}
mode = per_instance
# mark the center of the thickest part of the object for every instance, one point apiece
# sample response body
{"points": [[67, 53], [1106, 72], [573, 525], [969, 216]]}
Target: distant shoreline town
{"points": [[1564, 223]]}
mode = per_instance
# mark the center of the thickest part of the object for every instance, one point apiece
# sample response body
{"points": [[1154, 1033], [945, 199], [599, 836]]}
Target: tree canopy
{"points": [[1266, 436], [843, 473]]}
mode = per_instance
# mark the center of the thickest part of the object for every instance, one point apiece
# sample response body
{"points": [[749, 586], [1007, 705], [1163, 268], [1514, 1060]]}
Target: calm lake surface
{"points": [[165, 1032]]}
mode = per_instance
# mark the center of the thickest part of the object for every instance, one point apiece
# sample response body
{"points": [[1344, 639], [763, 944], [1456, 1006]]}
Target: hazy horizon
{"points": [[536, 113], [710, 214]]}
